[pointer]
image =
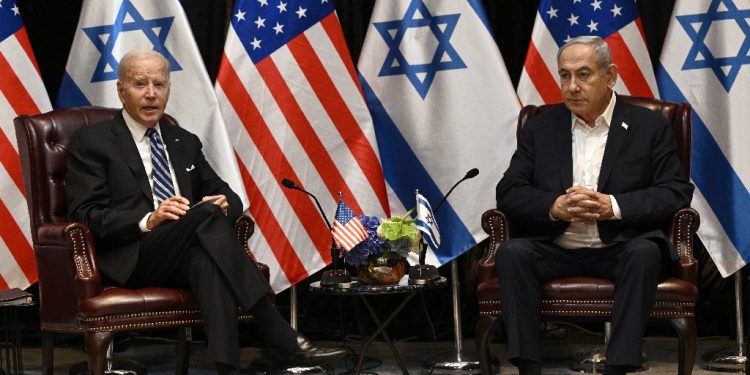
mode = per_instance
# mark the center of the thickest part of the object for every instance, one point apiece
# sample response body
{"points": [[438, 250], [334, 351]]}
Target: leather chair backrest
{"points": [[677, 114], [43, 141]]}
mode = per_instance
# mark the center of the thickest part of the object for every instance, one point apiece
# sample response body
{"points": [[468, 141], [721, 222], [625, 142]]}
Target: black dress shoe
{"points": [[306, 354]]}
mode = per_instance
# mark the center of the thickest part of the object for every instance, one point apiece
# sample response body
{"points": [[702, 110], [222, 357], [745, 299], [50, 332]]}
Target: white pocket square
{"points": [[190, 168]]}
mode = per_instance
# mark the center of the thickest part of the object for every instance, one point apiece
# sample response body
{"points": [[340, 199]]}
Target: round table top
{"points": [[359, 287]]}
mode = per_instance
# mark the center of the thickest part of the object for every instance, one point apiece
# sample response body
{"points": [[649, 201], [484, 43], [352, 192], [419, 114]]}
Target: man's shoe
{"points": [[307, 354]]}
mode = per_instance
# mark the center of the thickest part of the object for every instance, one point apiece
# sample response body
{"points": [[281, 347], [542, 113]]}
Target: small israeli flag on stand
{"points": [[426, 223]]}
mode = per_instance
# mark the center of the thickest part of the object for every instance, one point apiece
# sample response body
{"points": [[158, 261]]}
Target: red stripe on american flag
{"points": [[279, 166], [333, 29], [541, 76], [23, 40], [3, 283], [17, 243], [10, 161], [341, 117], [350, 234], [300, 125], [283, 250], [14, 90], [630, 73]]}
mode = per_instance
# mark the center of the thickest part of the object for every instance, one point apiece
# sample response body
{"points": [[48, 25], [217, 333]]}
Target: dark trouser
{"points": [[523, 265], [201, 251]]}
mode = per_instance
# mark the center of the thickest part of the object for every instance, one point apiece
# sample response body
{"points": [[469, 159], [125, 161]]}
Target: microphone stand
{"points": [[454, 360], [337, 277]]}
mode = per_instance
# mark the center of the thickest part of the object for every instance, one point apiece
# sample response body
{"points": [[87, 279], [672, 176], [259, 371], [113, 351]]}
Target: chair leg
{"points": [[485, 327], [687, 332], [183, 351], [96, 350], [48, 351]]}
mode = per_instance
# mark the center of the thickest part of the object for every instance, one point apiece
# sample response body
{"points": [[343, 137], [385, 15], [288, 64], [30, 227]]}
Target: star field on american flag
{"points": [[11, 20], [569, 19], [277, 22]]}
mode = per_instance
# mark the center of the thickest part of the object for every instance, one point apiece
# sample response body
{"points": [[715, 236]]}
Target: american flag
{"points": [[348, 230], [293, 109], [21, 92], [616, 21]]}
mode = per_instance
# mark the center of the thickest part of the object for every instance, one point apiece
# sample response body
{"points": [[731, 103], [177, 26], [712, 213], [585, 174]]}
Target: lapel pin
{"points": [[176, 139], [192, 166], [625, 126]]}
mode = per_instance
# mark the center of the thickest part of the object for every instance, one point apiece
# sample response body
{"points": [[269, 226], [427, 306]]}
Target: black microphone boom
{"points": [[289, 184], [473, 172], [336, 277]]}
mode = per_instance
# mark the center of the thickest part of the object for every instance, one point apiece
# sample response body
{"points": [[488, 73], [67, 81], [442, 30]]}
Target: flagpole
{"points": [[730, 358]]}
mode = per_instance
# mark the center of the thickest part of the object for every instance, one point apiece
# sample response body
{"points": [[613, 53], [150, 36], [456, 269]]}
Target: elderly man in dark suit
{"points": [[588, 187], [132, 181]]}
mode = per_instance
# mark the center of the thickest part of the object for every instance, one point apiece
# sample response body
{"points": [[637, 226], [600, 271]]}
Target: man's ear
{"points": [[611, 72]]}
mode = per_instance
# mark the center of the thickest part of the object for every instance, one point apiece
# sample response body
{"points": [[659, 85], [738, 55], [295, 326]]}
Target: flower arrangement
{"points": [[396, 236]]}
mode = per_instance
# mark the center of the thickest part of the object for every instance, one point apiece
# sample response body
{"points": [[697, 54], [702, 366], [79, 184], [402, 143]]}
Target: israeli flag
{"points": [[426, 223], [442, 104], [109, 29], [705, 62]]}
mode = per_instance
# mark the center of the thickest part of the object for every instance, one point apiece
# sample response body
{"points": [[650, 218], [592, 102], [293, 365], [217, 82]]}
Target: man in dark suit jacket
{"points": [[147, 234], [588, 187]]}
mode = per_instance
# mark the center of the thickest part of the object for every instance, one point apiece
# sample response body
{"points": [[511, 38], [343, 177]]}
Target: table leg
{"points": [[381, 331]]}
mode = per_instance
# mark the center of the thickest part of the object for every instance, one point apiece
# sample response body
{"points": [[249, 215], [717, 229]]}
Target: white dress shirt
{"points": [[143, 143], [588, 152]]}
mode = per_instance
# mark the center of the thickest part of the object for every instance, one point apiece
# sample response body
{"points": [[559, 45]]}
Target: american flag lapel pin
{"points": [[625, 126]]}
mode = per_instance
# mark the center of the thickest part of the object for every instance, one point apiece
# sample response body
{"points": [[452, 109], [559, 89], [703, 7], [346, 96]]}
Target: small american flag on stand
{"points": [[348, 231]]}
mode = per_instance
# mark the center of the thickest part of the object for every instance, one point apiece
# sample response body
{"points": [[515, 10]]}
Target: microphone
{"points": [[289, 184], [422, 273], [336, 277], [473, 172]]}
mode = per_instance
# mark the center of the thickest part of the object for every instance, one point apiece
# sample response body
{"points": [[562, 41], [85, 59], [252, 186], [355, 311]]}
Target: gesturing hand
{"points": [[170, 209]]}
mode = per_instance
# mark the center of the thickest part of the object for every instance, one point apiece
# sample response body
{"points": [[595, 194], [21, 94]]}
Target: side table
{"points": [[11, 361], [364, 291]]}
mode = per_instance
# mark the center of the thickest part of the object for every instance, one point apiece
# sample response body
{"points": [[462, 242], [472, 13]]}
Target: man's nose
{"points": [[150, 91]]}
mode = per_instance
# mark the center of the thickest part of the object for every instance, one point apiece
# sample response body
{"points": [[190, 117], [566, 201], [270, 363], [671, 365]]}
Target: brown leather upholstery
{"points": [[591, 298], [72, 297]]}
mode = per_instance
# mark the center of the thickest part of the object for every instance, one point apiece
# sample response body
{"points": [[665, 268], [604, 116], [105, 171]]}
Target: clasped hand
{"points": [[581, 204], [177, 206]]}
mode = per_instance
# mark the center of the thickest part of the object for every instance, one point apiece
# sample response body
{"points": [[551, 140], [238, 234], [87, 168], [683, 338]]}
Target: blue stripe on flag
{"points": [[404, 173], [713, 174], [69, 94], [479, 10]]}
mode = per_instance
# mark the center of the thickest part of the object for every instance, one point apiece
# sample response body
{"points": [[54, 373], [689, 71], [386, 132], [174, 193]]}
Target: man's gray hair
{"points": [[128, 58], [601, 49]]}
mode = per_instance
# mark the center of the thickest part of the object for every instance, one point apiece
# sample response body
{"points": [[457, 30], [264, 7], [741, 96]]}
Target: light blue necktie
{"points": [[163, 188]]}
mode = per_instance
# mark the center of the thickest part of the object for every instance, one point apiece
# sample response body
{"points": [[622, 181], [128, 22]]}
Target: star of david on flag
{"points": [[21, 92], [705, 63], [444, 106], [617, 22], [419, 68], [107, 29], [128, 19]]}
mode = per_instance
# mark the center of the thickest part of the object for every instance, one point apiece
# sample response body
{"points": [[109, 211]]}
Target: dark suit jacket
{"points": [[640, 169], [108, 189]]}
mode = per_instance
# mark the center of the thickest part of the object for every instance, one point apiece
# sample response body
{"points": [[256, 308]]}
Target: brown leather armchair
{"points": [[72, 296], [591, 298]]}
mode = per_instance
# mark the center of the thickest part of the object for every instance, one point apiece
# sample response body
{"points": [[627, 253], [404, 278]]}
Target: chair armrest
{"points": [[244, 228], [682, 230], [67, 270], [496, 224]]}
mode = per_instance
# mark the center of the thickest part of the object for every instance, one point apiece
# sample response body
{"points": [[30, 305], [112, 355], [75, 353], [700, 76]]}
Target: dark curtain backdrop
{"points": [[51, 25]]}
